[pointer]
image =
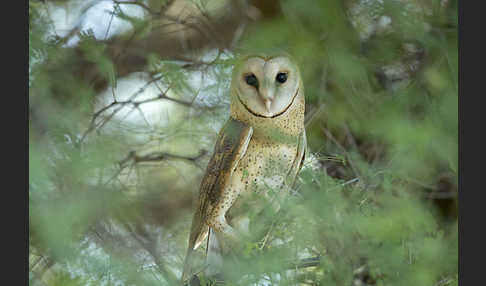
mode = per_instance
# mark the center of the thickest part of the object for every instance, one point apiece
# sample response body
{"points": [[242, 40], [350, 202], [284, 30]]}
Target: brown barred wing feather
{"points": [[228, 150]]}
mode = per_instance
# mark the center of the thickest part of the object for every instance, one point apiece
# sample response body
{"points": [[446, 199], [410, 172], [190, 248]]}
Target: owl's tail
{"points": [[187, 269], [198, 234]]}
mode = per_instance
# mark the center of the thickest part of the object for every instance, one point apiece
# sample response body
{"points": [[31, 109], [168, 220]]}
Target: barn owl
{"points": [[260, 148]]}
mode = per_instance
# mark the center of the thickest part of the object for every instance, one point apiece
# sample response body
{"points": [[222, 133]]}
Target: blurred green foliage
{"points": [[110, 200]]}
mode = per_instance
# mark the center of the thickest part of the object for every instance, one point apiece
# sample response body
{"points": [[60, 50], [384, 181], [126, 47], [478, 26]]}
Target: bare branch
{"points": [[93, 125], [158, 156], [305, 263], [161, 14], [128, 52], [346, 153], [136, 3]]}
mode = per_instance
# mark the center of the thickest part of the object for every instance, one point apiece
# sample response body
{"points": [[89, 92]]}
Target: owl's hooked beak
{"points": [[267, 94], [268, 104]]}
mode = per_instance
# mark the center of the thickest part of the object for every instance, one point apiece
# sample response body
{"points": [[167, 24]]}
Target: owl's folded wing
{"points": [[229, 148], [298, 160]]}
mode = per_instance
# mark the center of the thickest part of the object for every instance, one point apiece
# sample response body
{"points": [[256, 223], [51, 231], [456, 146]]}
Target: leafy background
{"points": [[126, 99]]}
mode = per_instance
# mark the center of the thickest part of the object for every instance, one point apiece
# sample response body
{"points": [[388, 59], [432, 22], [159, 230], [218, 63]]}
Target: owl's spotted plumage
{"points": [[260, 148]]}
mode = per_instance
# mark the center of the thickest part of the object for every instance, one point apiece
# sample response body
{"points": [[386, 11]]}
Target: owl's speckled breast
{"points": [[261, 173], [260, 176]]}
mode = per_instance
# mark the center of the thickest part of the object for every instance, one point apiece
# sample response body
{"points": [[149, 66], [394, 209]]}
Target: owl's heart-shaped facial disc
{"points": [[266, 86]]}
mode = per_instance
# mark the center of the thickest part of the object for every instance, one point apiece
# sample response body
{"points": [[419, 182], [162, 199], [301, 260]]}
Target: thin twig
{"points": [[348, 157], [158, 156], [314, 114], [32, 266], [161, 14], [293, 265], [93, 125], [306, 262]]}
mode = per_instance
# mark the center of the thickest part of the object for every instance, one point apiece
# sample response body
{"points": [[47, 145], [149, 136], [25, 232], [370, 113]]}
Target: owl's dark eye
{"points": [[281, 77], [251, 80]]}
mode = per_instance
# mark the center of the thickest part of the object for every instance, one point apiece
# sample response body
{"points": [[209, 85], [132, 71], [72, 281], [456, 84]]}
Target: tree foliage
{"points": [[121, 127]]}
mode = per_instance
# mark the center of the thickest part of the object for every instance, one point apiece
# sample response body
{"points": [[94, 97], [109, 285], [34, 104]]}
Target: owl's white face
{"points": [[266, 86]]}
